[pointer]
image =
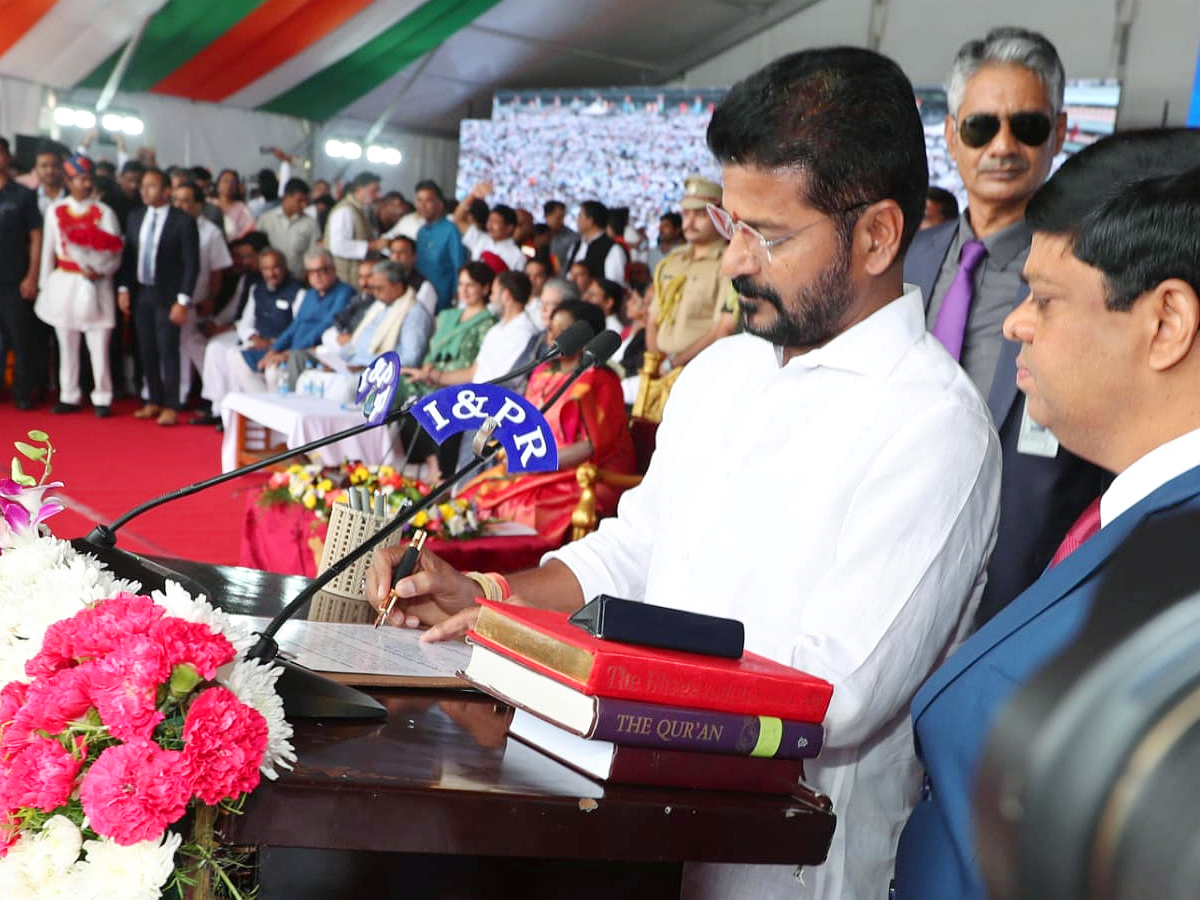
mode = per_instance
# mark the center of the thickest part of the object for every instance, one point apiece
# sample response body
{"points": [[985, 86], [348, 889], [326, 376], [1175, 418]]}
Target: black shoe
{"points": [[102, 412], [66, 408], [205, 420]]}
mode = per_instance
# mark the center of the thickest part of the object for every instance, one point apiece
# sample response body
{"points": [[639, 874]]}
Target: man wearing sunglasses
{"points": [[1004, 127]]}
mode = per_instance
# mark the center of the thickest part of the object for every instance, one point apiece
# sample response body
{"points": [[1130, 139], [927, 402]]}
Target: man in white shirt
{"points": [[288, 229], [214, 260], [1109, 361], [837, 399], [603, 256], [501, 225]]}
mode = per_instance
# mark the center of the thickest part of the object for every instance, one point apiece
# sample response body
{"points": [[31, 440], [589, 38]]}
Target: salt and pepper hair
{"points": [[1007, 46], [319, 254], [391, 270], [566, 289]]}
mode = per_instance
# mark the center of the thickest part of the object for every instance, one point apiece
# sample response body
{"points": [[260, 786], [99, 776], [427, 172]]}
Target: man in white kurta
{"points": [[78, 302], [831, 478]]}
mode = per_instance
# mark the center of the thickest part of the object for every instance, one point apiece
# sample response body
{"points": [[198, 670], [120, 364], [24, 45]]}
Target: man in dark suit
{"points": [[158, 275], [1005, 125], [1109, 359]]}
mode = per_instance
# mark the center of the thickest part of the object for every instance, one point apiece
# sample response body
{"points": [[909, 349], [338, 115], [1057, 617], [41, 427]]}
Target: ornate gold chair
{"points": [[643, 425]]}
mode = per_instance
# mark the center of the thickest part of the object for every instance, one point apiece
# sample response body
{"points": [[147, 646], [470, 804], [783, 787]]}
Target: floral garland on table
{"points": [[317, 488], [126, 713]]}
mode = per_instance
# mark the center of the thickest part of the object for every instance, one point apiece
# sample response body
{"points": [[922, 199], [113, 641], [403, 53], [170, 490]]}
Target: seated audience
{"points": [[633, 338], [610, 297], [555, 291], [589, 425], [403, 250]]}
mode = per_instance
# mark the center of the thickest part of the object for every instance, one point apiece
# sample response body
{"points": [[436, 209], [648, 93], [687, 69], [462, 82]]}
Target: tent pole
{"points": [[118, 72]]}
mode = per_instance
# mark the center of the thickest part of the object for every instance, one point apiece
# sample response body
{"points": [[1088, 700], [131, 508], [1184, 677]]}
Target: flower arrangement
{"points": [[318, 488], [120, 715], [89, 245]]}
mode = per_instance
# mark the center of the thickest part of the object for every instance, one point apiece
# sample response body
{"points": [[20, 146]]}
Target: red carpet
{"points": [[109, 466]]}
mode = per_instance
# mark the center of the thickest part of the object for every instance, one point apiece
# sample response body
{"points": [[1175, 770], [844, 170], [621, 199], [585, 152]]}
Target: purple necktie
{"points": [[951, 322]]}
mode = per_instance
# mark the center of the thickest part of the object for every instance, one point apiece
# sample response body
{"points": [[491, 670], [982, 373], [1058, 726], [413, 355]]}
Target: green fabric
{"points": [[333, 89], [176, 33], [454, 346]]}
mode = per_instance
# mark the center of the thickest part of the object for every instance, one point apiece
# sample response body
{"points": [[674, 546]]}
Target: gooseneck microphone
{"points": [[105, 536], [596, 352]]}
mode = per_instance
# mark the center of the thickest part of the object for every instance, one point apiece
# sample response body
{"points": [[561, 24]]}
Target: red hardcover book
{"points": [[660, 768], [546, 642], [639, 724]]}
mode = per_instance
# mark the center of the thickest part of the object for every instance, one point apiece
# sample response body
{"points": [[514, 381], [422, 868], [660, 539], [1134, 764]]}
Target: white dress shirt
{"points": [[1148, 474], [614, 262], [870, 471], [501, 347], [214, 256], [480, 242]]}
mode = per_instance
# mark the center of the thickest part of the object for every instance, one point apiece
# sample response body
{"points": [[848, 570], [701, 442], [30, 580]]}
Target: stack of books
{"points": [[639, 715]]}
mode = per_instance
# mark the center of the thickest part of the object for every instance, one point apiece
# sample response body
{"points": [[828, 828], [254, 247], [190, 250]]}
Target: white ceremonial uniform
{"points": [[874, 471], [76, 307]]}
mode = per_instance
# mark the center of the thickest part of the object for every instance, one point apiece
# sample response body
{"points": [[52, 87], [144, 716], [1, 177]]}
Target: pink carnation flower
{"points": [[12, 698], [124, 687], [51, 702], [134, 791], [94, 632], [225, 743], [193, 643], [9, 830], [41, 776]]}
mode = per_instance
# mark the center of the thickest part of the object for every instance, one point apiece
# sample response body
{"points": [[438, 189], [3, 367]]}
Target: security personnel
{"points": [[694, 303]]}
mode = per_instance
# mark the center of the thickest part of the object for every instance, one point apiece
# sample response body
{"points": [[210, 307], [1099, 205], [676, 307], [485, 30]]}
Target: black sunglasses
{"points": [[1030, 128]]}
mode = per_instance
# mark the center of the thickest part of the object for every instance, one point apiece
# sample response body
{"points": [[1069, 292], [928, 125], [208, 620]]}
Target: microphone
{"points": [[568, 343], [104, 537], [596, 352]]}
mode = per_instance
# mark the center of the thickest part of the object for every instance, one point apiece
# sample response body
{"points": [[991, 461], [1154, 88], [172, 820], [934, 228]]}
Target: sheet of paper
{"points": [[364, 655]]}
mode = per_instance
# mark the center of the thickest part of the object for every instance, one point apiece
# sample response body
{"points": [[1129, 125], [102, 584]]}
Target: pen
{"points": [[408, 564]]}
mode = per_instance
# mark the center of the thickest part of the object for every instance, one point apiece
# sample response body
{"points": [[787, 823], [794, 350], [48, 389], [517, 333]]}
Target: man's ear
{"points": [[878, 233], [1176, 307]]}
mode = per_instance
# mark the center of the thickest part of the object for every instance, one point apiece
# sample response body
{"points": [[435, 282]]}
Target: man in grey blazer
{"points": [[1004, 127]]}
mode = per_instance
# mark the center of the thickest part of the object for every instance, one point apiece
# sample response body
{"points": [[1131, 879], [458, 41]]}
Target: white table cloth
{"points": [[299, 419]]}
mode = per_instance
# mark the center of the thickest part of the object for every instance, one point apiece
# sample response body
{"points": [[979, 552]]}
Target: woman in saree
{"points": [[457, 337], [589, 425]]}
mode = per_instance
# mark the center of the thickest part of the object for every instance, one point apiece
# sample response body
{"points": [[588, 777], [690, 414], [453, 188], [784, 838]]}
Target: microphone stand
{"points": [[309, 695]]}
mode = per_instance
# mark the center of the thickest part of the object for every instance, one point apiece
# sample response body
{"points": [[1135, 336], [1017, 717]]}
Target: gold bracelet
{"points": [[488, 585]]}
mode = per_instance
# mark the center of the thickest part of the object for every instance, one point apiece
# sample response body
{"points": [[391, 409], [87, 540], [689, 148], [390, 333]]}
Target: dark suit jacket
{"points": [[177, 262], [1039, 497], [955, 709]]}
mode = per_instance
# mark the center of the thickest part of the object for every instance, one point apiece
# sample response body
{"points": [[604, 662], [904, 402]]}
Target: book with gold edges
{"points": [[544, 641]]}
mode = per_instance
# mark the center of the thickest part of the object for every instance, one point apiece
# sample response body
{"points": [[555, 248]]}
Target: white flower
{"points": [[253, 683], [179, 603], [44, 580], [136, 872], [41, 864]]}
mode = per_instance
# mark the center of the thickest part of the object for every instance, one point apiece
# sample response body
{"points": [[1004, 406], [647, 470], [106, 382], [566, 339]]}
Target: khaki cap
{"points": [[698, 192]]}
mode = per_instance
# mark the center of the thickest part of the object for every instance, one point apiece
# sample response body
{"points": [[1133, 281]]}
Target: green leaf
{"points": [[29, 451], [19, 476], [36, 435]]}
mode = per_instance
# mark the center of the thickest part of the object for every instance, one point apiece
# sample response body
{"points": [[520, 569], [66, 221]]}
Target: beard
{"points": [[815, 314]]}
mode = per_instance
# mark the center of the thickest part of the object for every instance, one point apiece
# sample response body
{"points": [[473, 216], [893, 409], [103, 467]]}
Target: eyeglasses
{"points": [[317, 271], [727, 225], [1030, 128]]}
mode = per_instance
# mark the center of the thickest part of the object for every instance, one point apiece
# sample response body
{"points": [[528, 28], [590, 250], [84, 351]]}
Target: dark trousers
{"points": [[28, 338], [158, 344]]}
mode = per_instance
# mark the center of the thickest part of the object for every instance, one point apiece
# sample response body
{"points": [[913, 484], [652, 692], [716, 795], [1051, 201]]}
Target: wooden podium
{"points": [[437, 801]]}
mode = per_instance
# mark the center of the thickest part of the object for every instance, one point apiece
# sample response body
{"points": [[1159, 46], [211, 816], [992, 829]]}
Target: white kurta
{"points": [[67, 299], [843, 507]]}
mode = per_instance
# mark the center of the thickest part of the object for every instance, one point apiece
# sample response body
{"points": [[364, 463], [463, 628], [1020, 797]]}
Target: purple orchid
{"points": [[24, 508]]}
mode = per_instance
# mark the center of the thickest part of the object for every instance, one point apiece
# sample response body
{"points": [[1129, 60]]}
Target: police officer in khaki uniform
{"points": [[694, 303]]}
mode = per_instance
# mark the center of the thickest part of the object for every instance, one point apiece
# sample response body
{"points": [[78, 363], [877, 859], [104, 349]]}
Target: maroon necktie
{"points": [[1085, 526]]}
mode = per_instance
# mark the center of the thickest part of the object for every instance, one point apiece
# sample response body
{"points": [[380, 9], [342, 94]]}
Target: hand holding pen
{"points": [[408, 564]]}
